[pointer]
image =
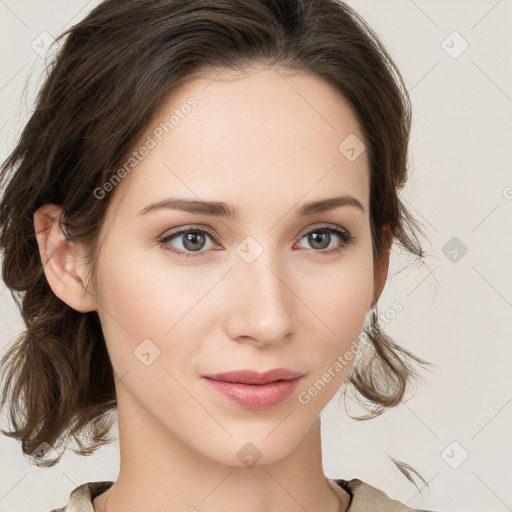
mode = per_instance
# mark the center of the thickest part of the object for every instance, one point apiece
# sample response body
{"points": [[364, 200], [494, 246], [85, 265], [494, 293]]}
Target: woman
{"points": [[199, 216]]}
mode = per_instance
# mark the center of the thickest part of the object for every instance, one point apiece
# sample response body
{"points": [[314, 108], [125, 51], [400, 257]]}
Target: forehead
{"points": [[232, 136]]}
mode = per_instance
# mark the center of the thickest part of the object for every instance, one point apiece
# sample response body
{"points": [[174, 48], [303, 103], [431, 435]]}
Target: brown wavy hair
{"points": [[113, 70]]}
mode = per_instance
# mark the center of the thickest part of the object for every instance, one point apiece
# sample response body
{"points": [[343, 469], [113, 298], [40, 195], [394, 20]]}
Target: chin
{"points": [[255, 449]]}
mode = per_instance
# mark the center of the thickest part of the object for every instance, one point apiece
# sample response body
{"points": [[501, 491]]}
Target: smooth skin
{"points": [[265, 140]]}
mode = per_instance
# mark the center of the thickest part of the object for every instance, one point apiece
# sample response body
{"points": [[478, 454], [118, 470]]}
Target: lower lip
{"points": [[255, 396]]}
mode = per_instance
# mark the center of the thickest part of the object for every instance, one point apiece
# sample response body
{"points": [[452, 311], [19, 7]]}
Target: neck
{"points": [[158, 472]]}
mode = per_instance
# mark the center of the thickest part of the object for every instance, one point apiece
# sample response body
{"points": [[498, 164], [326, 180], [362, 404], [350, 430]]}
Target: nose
{"points": [[263, 307]]}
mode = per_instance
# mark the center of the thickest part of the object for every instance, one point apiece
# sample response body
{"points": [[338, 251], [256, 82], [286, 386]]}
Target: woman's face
{"points": [[266, 287]]}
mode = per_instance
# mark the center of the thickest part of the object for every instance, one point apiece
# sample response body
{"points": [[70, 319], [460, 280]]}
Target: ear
{"points": [[61, 259], [380, 271]]}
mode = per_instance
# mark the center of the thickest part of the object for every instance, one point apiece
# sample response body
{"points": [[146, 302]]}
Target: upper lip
{"points": [[255, 377]]}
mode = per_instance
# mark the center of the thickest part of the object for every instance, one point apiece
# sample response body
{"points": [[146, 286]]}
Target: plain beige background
{"points": [[455, 57]]}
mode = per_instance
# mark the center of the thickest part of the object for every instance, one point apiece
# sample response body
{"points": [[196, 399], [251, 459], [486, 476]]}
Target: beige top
{"points": [[364, 497]]}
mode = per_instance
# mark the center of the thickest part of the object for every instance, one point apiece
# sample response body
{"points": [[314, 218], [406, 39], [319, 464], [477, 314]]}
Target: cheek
{"points": [[341, 294], [140, 301], [341, 301], [144, 294], [351, 298], [345, 294]]}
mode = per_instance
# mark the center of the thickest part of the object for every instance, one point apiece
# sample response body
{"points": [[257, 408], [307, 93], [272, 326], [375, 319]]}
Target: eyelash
{"points": [[345, 236]]}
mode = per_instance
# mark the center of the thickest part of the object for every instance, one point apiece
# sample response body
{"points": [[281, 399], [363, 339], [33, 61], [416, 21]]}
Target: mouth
{"points": [[250, 389]]}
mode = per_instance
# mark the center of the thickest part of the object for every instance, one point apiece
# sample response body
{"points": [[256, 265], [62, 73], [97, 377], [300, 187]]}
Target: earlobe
{"points": [[381, 268], [61, 259]]}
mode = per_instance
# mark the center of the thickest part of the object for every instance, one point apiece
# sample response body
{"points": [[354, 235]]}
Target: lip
{"points": [[250, 389], [255, 377]]}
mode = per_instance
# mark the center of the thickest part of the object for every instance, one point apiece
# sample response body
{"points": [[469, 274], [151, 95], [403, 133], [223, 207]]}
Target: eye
{"points": [[322, 236], [194, 239]]}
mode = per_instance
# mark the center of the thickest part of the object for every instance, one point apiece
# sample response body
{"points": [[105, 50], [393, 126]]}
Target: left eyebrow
{"points": [[222, 209], [326, 205]]}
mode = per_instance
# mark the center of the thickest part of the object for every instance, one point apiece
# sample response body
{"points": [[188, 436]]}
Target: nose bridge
{"points": [[264, 305]]}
